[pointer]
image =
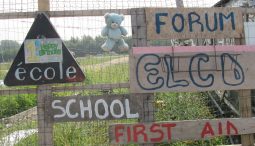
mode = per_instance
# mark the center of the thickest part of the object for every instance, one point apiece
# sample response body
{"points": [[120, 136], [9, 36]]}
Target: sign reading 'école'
{"points": [[43, 58]]}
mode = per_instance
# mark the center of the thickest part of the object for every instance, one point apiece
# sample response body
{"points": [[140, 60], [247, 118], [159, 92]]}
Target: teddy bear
{"points": [[114, 32]]}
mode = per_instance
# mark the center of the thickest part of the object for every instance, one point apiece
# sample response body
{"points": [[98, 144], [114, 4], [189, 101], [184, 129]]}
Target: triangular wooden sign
{"points": [[43, 58]]}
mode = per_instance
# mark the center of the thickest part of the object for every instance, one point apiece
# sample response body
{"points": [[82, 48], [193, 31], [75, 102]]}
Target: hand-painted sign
{"points": [[103, 107], [179, 130], [43, 50], [43, 58], [185, 68], [168, 23]]}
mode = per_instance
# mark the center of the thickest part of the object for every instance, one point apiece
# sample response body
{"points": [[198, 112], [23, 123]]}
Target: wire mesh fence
{"points": [[82, 36]]}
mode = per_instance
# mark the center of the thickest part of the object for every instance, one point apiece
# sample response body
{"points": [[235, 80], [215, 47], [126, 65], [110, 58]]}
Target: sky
{"points": [[16, 29]]}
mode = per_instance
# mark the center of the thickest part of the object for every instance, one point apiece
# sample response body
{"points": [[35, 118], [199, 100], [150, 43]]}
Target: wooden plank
{"points": [[18, 91], [90, 87], [66, 88], [181, 23], [94, 12], [103, 107], [66, 13], [232, 145], [169, 131], [185, 68], [17, 15], [81, 13]]}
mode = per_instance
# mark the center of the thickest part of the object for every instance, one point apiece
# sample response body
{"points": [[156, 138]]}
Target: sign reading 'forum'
{"points": [[172, 23], [103, 107]]}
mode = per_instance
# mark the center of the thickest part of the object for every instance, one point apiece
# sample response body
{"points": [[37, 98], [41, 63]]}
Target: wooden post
{"points": [[44, 95], [179, 3], [43, 5], [139, 38], [45, 121], [245, 112], [245, 109]]}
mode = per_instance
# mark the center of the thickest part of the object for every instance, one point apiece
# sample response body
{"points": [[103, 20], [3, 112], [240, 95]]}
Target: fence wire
{"points": [[82, 36]]}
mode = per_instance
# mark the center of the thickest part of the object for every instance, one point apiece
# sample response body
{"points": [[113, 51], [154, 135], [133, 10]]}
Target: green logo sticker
{"points": [[43, 50]]}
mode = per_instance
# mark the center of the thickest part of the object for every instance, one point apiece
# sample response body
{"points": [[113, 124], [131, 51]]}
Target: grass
{"points": [[6, 130], [13, 104], [184, 106], [118, 73], [2, 74], [181, 106], [5, 66], [31, 140], [169, 106]]}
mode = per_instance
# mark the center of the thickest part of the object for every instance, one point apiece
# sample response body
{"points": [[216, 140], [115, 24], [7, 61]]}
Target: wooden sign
{"points": [[179, 130], [103, 107], [43, 58], [186, 68], [181, 23]]}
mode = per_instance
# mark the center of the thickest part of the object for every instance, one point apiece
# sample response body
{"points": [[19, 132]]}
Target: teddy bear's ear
{"points": [[106, 15]]}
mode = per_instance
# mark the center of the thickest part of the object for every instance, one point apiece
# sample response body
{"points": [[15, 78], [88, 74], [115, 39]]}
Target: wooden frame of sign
{"points": [[233, 14], [140, 38]]}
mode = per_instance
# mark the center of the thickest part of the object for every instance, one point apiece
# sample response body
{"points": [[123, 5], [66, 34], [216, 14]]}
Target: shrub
{"points": [[13, 104]]}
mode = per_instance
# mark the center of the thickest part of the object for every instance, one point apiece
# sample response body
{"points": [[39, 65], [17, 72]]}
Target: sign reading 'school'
{"points": [[173, 23], [103, 107], [43, 58]]}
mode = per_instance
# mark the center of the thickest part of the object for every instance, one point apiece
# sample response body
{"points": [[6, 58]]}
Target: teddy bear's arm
{"points": [[105, 31], [123, 31]]}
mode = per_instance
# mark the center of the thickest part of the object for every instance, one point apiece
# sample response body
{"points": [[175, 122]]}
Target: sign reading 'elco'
{"points": [[43, 58]]}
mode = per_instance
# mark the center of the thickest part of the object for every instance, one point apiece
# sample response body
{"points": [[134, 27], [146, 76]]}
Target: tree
{"points": [[88, 45], [8, 50]]}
